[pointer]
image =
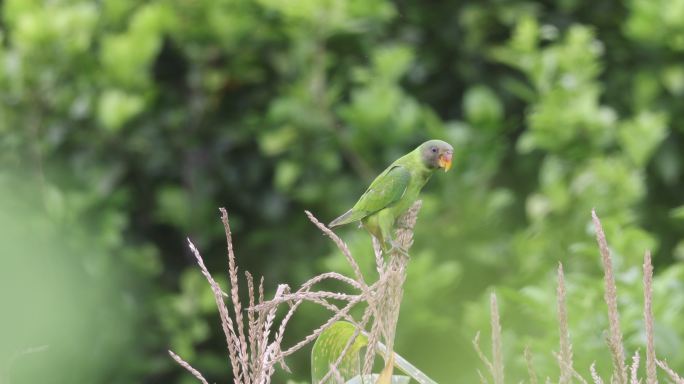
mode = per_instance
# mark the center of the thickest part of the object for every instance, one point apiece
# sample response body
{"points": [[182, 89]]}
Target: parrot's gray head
{"points": [[436, 154]]}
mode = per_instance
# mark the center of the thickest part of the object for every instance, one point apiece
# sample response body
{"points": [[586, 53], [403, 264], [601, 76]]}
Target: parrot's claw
{"points": [[395, 247], [402, 225]]}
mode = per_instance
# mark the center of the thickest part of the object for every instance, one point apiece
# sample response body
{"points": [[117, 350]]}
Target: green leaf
{"points": [[673, 80], [127, 57], [328, 347], [392, 62], [275, 142], [173, 206], [286, 174], [482, 107], [396, 379], [677, 213], [116, 107], [642, 135], [526, 35]]}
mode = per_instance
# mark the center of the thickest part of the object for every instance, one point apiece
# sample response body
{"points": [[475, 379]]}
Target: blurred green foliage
{"points": [[125, 124]]}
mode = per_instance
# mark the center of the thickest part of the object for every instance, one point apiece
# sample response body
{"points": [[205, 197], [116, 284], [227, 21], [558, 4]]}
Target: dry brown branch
{"points": [[621, 373], [481, 355], [303, 296], [572, 371], [530, 366], [594, 376], [373, 337], [254, 350], [483, 379], [565, 344], [497, 354], [341, 245], [226, 322], [610, 295], [332, 276], [271, 355], [252, 324], [335, 374], [670, 373], [334, 309], [311, 337], [651, 377], [495, 367], [233, 274], [377, 252], [188, 367], [304, 292], [385, 300], [396, 275], [254, 354], [382, 298], [633, 378], [260, 348], [266, 330], [281, 331]]}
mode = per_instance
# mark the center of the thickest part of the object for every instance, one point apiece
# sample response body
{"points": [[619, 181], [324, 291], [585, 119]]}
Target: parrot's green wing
{"points": [[385, 190]]}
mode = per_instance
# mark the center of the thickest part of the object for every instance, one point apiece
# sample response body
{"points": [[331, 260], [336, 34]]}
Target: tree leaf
{"points": [[328, 347]]}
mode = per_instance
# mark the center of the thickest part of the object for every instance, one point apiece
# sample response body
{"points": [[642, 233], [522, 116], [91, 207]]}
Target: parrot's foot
{"points": [[395, 247], [401, 224]]}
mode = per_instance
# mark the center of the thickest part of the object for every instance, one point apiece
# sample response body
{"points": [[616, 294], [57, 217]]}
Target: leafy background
{"points": [[125, 124]]}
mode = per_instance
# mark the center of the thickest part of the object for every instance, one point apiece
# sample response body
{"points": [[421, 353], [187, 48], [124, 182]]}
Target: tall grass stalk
{"points": [[621, 374], [610, 295]]}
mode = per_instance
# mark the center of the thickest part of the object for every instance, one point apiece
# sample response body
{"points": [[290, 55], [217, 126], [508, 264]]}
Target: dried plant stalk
{"points": [[565, 345], [311, 337], [226, 322], [255, 352], [341, 245], [189, 367], [670, 373], [610, 296], [648, 320], [594, 376], [377, 251], [621, 373], [481, 355], [237, 307], [530, 366], [252, 324], [633, 377], [495, 367], [386, 299], [483, 379], [572, 371], [394, 277], [382, 298], [497, 354]]}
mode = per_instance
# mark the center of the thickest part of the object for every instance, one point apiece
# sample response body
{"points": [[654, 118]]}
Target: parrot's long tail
{"points": [[348, 217]]}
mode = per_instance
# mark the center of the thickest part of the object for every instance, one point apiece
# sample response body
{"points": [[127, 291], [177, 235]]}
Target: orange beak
{"points": [[445, 161]]}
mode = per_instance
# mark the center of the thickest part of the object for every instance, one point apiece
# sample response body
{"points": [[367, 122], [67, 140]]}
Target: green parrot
{"points": [[395, 190]]}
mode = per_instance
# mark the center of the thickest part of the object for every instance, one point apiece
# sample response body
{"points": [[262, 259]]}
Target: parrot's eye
{"points": [[434, 150]]}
